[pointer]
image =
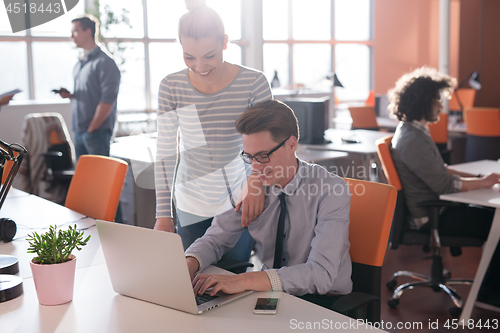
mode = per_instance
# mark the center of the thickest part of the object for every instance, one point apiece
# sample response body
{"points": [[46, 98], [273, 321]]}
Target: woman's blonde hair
{"points": [[201, 21]]}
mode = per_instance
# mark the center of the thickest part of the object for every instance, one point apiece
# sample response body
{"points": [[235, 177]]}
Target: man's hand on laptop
{"points": [[164, 224], [251, 200], [231, 284]]}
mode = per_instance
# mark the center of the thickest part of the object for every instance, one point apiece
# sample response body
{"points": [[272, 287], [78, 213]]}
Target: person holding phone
{"points": [[198, 146], [304, 228], [93, 101]]}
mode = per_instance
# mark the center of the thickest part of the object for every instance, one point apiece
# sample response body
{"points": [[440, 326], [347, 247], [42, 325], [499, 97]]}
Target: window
{"points": [[305, 41]]}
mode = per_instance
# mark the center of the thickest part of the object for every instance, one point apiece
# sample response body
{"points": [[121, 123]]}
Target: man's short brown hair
{"points": [[271, 115]]}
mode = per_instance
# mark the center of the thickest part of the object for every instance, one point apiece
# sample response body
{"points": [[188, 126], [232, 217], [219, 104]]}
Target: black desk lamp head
{"points": [[15, 153]]}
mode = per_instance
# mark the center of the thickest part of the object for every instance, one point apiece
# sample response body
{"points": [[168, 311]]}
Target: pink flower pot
{"points": [[54, 284]]}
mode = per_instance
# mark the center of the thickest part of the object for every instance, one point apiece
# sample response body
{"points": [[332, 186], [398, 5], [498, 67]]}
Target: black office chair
{"points": [[49, 165], [401, 234]]}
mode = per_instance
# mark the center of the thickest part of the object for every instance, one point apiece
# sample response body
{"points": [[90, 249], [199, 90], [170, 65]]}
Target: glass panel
{"points": [[132, 94], [275, 19], [60, 26], [276, 59], [311, 64], [14, 68], [132, 10], [163, 18], [352, 65], [164, 59], [53, 64], [230, 12], [311, 21], [233, 54], [352, 19]]}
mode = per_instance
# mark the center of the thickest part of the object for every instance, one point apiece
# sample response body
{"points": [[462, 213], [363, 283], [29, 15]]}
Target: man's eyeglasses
{"points": [[261, 158]]}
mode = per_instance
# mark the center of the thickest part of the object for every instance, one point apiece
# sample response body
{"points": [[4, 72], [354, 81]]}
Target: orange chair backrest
{"points": [[96, 187], [6, 170], [370, 101], [363, 117], [482, 121], [384, 153], [372, 208], [439, 130], [467, 97]]}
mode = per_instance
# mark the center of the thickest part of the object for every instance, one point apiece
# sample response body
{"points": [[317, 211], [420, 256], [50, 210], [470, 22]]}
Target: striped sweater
{"points": [[209, 144]]}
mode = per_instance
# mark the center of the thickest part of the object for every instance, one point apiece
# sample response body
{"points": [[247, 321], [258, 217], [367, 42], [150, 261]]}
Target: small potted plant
{"points": [[54, 266]]}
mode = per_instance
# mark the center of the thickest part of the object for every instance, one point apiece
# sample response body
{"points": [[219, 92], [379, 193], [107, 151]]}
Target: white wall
{"points": [[12, 115]]}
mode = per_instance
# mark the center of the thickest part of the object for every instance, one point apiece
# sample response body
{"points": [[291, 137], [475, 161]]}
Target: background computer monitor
{"points": [[312, 116]]}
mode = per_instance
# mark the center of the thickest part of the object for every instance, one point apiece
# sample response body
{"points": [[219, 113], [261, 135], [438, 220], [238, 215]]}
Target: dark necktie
{"points": [[278, 251]]}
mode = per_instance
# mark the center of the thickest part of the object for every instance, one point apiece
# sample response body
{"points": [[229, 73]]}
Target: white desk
{"points": [[489, 197], [97, 308], [32, 213], [365, 150]]}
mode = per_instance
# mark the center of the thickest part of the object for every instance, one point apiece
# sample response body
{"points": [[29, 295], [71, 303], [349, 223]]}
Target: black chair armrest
{"points": [[52, 154], [354, 304], [234, 266]]}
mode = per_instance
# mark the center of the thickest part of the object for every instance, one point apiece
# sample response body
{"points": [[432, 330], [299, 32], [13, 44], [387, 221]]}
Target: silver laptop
{"points": [[150, 265]]}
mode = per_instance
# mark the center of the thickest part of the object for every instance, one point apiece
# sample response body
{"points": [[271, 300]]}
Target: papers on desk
{"points": [[12, 92]]}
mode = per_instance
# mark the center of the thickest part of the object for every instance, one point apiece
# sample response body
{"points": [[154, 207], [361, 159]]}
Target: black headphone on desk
{"points": [[8, 229]]}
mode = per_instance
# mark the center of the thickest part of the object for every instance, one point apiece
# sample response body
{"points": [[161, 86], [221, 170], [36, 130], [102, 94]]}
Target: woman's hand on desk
{"points": [[164, 224], [251, 200]]}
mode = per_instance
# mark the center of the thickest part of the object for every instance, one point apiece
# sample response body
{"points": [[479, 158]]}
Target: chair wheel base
{"points": [[455, 312], [436, 289], [393, 303], [391, 284]]}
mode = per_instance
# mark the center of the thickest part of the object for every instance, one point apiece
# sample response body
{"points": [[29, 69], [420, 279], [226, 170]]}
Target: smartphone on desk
{"points": [[266, 305]]}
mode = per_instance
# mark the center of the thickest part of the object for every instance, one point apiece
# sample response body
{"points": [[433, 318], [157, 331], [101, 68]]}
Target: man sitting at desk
{"points": [[416, 102], [304, 227]]}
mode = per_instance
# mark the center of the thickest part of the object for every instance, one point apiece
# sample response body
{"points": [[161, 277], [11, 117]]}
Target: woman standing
{"points": [[197, 137]]}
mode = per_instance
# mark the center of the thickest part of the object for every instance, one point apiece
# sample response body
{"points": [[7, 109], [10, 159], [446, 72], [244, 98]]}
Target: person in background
{"points": [[198, 146], [5, 100], [96, 84], [416, 101], [313, 260]]}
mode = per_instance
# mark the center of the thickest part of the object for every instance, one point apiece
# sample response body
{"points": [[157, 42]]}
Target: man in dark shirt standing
{"points": [[96, 83]]}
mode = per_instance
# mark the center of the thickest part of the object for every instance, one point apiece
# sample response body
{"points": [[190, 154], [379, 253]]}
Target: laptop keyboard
{"points": [[200, 299]]}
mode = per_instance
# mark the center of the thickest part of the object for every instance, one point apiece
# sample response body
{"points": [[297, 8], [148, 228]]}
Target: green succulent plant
{"points": [[54, 247]]}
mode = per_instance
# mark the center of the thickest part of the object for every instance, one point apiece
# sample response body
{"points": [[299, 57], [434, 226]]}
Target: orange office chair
{"points": [[483, 133], [462, 98], [96, 186], [363, 117], [372, 209], [439, 134], [401, 234]]}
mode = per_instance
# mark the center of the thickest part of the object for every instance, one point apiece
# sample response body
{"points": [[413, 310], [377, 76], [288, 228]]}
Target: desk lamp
{"points": [[11, 286]]}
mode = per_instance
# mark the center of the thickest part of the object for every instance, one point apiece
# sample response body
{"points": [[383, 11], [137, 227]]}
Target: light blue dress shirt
{"points": [[316, 246]]}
